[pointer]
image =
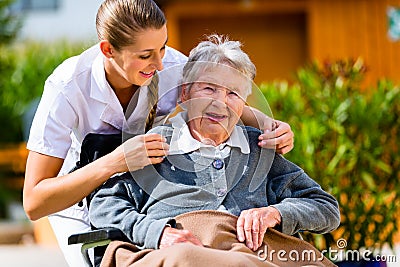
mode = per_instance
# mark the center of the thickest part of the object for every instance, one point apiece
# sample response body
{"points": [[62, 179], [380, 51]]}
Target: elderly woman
{"points": [[211, 201]]}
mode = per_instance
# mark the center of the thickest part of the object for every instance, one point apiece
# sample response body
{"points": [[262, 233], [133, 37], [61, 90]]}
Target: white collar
{"points": [[183, 142]]}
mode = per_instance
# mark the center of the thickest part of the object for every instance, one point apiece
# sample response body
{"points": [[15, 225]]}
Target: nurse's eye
{"points": [[144, 56]]}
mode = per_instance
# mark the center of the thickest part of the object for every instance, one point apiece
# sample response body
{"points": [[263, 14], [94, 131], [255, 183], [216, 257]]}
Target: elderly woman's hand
{"points": [[171, 236], [253, 223], [280, 137]]}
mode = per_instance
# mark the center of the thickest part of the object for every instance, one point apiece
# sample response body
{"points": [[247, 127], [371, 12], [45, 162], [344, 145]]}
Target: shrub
{"points": [[348, 141], [24, 69], [9, 23]]}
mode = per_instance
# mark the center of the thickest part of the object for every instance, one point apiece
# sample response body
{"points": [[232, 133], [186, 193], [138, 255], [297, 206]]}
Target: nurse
{"points": [[91, 93]]}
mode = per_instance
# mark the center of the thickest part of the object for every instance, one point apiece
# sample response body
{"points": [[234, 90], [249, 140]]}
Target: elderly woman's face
{"points": [[215, 104]]}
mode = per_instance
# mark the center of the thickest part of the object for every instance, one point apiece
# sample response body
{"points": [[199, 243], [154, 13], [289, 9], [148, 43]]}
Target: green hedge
{"points": [[24, 69], [348, 140]]}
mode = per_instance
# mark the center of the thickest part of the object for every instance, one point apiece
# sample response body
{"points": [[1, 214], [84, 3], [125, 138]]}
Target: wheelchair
{"points": [[98, 240], [93, 147]]}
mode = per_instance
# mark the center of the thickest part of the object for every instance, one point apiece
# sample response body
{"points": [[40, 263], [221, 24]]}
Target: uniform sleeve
{"points": [[302, 203], [53, 122], [170, 80], [118, 204]]}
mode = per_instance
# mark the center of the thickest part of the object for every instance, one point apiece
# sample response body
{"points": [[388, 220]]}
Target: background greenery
{"points": [[24, 66], [9, 23], [24, 70], [348, 140], [9, 26]]}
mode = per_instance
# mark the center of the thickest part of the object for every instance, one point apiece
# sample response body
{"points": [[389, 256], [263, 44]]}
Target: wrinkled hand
{"points": [[140, 151], [253, 223], [280, 137], [171, 236]]}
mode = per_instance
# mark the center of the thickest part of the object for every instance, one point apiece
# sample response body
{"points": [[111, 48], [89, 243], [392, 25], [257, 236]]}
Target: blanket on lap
{"points": [[217, 232]]}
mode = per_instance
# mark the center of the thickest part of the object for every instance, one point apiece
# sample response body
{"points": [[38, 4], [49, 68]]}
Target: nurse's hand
{"points": [[139, 151], [279, 137]]}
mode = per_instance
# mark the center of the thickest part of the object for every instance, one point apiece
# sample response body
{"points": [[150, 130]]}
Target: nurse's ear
{"points": [[107, 49]]}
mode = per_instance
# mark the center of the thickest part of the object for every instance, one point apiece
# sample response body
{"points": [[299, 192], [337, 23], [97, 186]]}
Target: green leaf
{"points": [[368, 180], [335, 160]]}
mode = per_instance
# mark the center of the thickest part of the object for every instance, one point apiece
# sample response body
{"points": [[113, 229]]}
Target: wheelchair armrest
{"points": [[96, 235]]}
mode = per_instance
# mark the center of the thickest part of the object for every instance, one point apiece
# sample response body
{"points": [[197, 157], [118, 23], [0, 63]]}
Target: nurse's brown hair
{"points": [[118, 21]]}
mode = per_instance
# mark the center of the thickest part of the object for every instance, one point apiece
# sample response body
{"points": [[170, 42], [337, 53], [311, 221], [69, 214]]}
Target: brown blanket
{"points": [[217, 231]]}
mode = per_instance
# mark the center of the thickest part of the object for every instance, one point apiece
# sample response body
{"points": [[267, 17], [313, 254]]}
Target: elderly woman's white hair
{"points": [[217, 50]]}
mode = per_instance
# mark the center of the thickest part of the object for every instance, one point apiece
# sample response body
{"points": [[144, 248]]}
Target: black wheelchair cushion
{"points": [[95, 146]]}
